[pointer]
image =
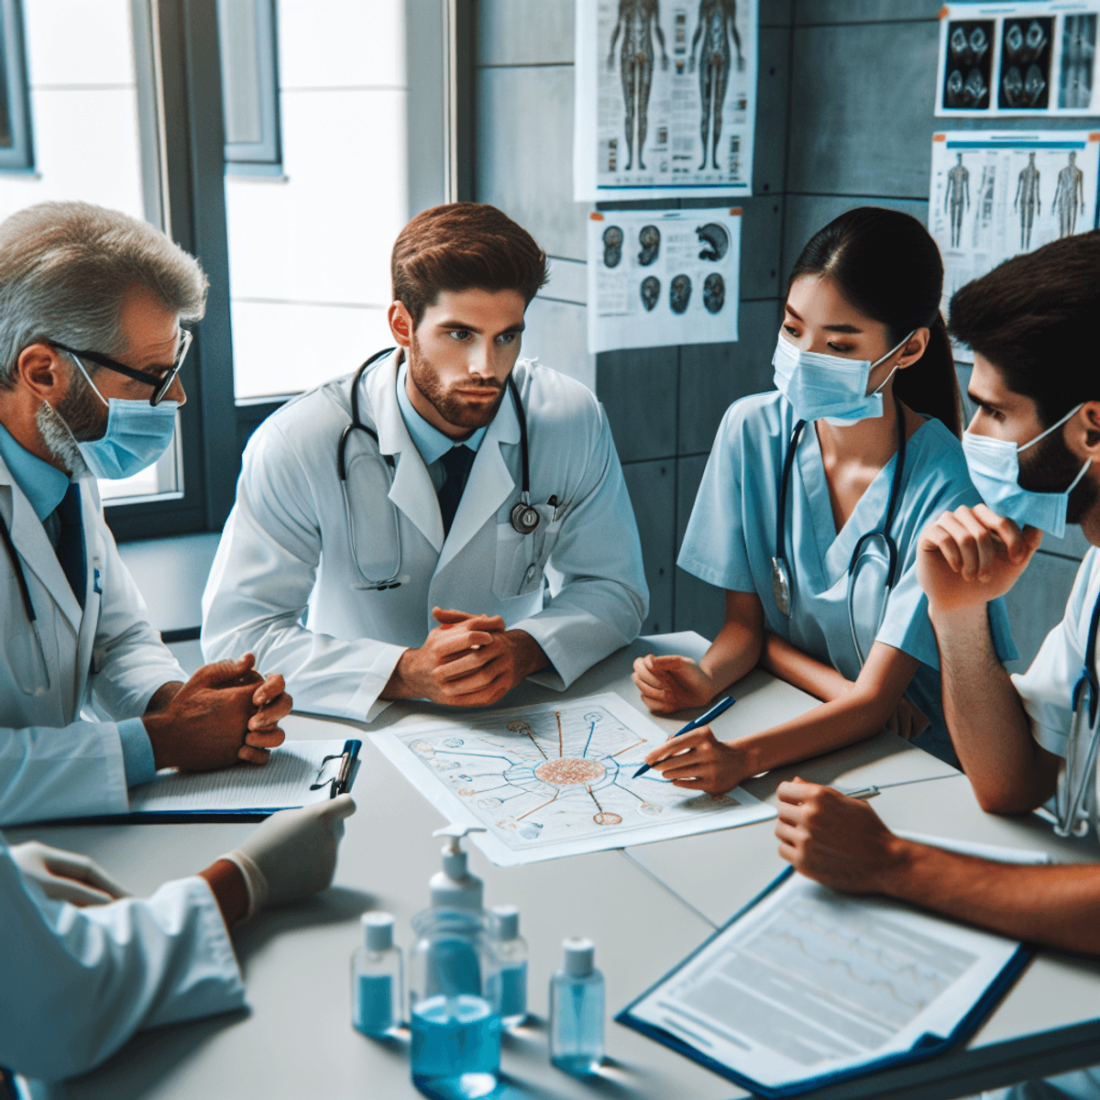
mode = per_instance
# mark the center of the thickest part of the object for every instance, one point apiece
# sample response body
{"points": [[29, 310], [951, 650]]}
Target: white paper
{"points": [[996, 194], [1006, 60], [811, 982], [556, 779], [284, 781], [655, 83], [663, 277]]}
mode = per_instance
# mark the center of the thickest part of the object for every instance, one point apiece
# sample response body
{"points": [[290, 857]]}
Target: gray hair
{"points": [[65, 268]]}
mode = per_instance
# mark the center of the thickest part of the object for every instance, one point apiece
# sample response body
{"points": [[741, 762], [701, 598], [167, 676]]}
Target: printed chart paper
{"points": [[1035, 59], [665, 98], [809, 983], [556, 780], [995, 195], [663, 277]]}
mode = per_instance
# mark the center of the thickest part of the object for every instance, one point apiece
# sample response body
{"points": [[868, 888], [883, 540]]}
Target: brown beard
{"points": [[449, 405]]}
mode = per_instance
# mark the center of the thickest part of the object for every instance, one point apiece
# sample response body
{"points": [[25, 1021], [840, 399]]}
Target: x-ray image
{"points": [[612, 246], [1078, 60], [1025, 63], [970, 63], [651, 292], [679, 293], [714, 292], [650, 239], [716, 240]]}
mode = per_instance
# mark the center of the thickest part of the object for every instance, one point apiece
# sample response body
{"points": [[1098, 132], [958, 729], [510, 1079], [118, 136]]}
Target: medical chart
{"points": [[995, 195], [809, 982], [665, 98], [663, 277], [1031, 58], [556, 779]]}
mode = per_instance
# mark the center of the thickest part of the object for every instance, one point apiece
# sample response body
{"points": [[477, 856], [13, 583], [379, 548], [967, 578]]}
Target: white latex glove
{"points": [[66, 876], [293, 853]]}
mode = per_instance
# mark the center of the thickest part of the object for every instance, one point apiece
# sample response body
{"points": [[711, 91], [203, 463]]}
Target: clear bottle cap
{"points": [[377, 931], [507, 921], [580, 957]]}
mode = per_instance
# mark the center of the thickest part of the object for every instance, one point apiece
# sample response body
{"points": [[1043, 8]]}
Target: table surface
{"points": [[645, 907]]}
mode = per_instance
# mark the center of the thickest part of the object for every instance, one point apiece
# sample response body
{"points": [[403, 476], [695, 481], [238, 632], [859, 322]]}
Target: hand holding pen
{"points": [[717, 709]]}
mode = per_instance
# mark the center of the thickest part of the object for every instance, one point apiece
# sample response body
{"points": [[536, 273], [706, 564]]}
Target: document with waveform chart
{"points": [[807, 987]]}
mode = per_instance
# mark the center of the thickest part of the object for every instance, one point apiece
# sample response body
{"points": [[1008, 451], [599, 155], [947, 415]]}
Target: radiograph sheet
{"points": [[995, 195], [665, 98], [1036, 59], [556, 780], [663, 277]]}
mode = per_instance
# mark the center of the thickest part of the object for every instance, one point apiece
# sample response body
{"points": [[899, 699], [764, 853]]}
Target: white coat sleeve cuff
{"points": [[137, 752], [376, 676]]}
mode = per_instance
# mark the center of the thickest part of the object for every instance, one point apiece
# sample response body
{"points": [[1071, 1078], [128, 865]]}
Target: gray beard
{"points": [[59, 441]]}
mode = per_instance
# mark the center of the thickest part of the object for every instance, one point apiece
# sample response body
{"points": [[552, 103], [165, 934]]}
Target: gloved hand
{"points": [[65, 876], [293, 853]]}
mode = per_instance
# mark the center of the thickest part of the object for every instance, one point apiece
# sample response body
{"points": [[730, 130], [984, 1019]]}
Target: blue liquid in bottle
{"points": [[576, 1012], [455, 1046], [374, 1004], [513, 994]]}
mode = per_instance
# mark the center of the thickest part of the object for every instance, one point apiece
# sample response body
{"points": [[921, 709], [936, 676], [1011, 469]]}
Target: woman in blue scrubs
{"points": [[864, 364]]}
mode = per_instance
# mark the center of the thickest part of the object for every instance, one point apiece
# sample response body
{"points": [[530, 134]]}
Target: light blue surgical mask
{"points": [[137, 435], [828, 387], [994, 466]]}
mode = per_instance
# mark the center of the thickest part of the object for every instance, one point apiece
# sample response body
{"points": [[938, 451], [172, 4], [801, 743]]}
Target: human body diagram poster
{"points": [[663, 277], [556, 780], [994, 195], [1018, 59], [665, 98]]}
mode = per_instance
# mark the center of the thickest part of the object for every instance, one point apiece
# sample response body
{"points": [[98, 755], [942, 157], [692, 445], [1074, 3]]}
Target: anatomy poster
{"points": [[994, 195], [665, 98], [1018, 59], [663, 277], [556, 779]]}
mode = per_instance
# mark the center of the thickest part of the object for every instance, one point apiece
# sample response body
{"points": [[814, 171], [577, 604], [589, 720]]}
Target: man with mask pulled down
{"points": [[1033, 450], [91, 303]]}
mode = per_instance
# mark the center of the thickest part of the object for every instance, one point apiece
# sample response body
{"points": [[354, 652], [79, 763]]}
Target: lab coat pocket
{"points": [[521, 558]]}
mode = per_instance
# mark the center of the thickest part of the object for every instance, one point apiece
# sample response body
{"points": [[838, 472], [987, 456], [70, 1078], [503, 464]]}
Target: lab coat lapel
{"points": [[489, 484], [412, 491], [93, 559]]}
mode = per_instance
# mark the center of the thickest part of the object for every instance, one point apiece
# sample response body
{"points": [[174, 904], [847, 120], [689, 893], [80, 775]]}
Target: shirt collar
{"points": [[42, 484], [430, 441]]}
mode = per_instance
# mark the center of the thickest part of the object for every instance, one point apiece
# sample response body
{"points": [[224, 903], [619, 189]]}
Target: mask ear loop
{"points": [[897, 366]]}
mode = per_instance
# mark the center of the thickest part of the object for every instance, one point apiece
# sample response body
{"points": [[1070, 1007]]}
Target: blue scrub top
{"points": [[730, 542]]}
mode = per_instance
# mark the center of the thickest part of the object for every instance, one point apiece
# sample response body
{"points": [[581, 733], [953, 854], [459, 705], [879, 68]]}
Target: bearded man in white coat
{"points": [[469, 529]]}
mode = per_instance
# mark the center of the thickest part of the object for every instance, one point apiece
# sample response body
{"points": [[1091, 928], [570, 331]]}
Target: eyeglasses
{"points": [[161, 383]]}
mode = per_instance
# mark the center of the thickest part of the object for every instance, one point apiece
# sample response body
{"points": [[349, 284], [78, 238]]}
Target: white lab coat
{"points": [[77, 983], [53, 762], [286, 548]]}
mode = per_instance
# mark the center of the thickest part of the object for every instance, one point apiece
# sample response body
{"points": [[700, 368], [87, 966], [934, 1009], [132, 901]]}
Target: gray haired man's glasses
{"points": [[161, 383]]}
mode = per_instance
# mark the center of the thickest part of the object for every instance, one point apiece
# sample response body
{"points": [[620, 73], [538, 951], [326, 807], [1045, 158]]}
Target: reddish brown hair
{"points": [[463, 246]]}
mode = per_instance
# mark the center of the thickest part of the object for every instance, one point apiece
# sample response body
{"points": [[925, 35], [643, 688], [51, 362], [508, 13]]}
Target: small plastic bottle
{"points": [[511, 951], [377, 978], [576, 1011]]}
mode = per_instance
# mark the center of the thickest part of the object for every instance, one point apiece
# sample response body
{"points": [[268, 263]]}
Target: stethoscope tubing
{"points": [[1071, 794]]}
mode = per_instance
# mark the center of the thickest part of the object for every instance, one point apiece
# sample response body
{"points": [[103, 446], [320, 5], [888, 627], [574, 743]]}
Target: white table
{"points": [[645, 908]]}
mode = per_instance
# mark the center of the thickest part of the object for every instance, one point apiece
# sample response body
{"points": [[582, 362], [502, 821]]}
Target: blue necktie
{"points": [[70, 540], [456, 465]]}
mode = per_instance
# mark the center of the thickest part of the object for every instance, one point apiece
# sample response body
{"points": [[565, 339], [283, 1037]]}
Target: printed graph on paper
{"points": [[554, 780]]}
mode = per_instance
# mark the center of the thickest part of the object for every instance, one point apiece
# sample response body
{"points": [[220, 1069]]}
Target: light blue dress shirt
{"points": [[44, 486]]}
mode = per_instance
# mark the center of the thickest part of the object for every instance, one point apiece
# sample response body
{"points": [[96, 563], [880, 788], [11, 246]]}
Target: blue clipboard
{"points": [[928, 1046]]}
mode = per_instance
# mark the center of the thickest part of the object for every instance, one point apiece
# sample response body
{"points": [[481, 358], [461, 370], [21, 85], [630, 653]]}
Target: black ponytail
{"points": [[889, 268]]}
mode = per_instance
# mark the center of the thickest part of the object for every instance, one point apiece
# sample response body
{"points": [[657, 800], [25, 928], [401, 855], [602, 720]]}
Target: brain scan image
{"points": [[714, 292], [649, 237], [679, 293], [651, 292], [715, 239], [612, 246]]}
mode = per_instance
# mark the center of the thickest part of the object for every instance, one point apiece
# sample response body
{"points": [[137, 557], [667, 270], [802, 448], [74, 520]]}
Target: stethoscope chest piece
{"points": [[781, 586], [524, 517]]}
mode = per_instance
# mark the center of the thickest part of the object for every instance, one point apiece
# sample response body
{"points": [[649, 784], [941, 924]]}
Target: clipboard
{"points": [[926, 1045]]}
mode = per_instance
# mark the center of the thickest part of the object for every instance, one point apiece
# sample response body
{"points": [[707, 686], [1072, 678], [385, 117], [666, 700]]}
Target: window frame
{"points": [[20, 157]]}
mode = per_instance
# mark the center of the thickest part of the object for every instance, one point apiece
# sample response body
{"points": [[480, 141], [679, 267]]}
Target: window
{"points": [[16, 147], [250, 86]]}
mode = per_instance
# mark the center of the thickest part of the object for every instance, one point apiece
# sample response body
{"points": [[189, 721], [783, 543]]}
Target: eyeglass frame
{"points": [[161, 383]]}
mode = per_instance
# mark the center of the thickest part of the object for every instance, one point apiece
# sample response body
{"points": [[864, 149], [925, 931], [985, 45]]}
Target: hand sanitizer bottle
{"points": [[576, 1011], [377, 977], [511, 950]]}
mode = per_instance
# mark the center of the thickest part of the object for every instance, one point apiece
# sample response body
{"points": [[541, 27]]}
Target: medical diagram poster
{"points": [[665, 98], [995, 195], [1032, 58], [663, 277]]}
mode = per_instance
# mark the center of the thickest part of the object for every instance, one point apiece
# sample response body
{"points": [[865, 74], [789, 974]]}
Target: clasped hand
{"points": [[670, 683]]}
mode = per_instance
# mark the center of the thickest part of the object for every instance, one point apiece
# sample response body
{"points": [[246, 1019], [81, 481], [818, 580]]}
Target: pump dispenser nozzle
{"points": [[454, 887]]}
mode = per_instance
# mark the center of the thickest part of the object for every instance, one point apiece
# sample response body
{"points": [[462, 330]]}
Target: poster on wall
{"points": [[665, 98], [661, 277], [995, 195], [1032, 58]]}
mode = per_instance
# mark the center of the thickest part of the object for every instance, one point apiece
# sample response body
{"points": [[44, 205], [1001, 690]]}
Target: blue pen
{"points": [[717, 709]]}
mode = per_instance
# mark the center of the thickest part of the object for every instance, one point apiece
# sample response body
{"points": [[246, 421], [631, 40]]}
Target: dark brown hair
{"points": [[1034, 318], [462, 246], [889, 268]]}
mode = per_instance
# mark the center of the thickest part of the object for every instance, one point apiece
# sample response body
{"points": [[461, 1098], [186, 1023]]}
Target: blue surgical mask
{"points": [[828, 387], [137, 435], [994, 466]]}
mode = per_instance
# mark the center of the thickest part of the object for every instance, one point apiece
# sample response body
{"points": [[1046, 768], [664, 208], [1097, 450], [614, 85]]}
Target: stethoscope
{"points": [[524, 516], [26, 651], [781, 574], [1071, 802]]}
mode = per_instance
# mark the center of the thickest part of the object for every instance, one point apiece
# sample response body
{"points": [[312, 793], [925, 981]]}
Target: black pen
{"points": [[717, 709]]}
